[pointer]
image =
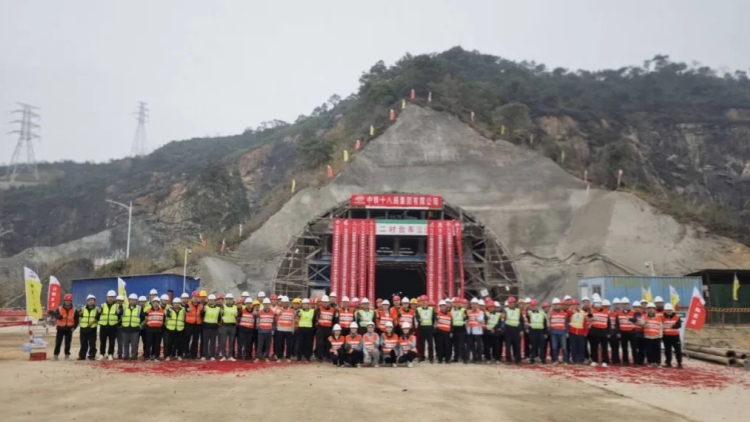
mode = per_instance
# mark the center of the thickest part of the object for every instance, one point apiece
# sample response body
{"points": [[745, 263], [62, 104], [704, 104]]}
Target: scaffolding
{"points": [[487, 263]]}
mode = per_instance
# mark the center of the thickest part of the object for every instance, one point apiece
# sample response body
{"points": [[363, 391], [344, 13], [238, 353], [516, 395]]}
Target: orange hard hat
{"points": [[431, 303]]}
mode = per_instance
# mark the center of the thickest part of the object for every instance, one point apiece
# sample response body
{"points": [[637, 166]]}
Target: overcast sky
{"points": [[209, 67]]}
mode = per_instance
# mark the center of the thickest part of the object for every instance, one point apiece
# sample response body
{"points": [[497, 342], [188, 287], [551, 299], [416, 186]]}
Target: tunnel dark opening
{"points": [[402, 281]]}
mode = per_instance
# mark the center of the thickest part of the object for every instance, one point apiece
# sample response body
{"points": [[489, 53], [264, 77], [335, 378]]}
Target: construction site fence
{"points": [[728, 316]]}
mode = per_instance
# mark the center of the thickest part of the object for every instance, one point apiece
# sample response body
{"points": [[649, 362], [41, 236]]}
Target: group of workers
{"points": [[213, 327]]}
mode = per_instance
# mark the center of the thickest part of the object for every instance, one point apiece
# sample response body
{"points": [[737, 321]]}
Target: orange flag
{"points": [[357, 145], [330, 172]]}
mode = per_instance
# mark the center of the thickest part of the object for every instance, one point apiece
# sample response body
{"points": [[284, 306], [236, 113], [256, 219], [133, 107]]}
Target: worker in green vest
{"points": [[537, 332], [426, 319], [364, 315], [458, 331], [175, 329], [492, 343], [228, 328], [304, 334], [210, 314], [89, 315], [108, 322], [512, 325], [130, 327]]}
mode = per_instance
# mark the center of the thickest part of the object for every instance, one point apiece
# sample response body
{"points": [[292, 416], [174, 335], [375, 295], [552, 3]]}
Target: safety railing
{"points": [[728, 316]]}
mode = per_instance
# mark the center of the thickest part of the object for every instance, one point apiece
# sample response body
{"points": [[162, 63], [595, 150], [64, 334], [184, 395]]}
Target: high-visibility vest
{"points": [[88, 316], [229, 316], [353, 341], [109, 315], [247, 320], [473, 318], [68, 317], [406, 317], [512, 317], [493, 318], [623, 318], [600, 319], [211, 315], [326, 317], [369, 340], [193, 313], [536, 319], [176, 320], [336, 343], [653, 327], [306, 317], [346, 317], [577, 319], [155, 318], [265, 322], [443, 321], [669, 321], [425, 317], [557, 319], [131, 317], [365, 316], [383, 317], [406, 342], [389, 342], [457, 317], [612, 319], [285, 317]]}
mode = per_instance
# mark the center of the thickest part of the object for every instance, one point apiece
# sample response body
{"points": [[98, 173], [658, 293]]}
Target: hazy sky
{"points": [[210, 67]]}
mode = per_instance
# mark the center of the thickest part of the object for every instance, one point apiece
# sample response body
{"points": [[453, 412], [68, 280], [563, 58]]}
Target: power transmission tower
{"points": [[26, 136], [140, 143]]}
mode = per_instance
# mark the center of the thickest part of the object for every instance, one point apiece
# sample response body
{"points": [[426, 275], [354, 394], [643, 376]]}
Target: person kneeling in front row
{"points": [[353, 347], [390, 345], [371, 345], [407, 346], [336, 346]]}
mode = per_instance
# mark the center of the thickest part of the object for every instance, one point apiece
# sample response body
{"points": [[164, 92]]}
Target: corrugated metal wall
{"points": [[138, 284], [630, 287]]}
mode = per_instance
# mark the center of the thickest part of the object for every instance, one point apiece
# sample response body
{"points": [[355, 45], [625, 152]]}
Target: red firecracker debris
{"points": [[187, 367]]}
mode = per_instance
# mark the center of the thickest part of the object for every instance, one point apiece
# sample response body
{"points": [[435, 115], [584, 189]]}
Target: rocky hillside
{"points": [[678, 132]]}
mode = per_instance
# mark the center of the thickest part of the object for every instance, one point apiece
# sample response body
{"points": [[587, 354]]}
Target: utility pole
{"points": [[26, 136], [140, 143]]}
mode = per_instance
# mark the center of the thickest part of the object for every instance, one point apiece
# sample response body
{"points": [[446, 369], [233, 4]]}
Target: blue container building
{"points": [[610, 287], [170, 284]]}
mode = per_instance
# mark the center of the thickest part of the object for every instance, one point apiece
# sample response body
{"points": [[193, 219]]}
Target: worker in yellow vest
{"points": [[130, 327], [143, 302], [87, 322], [304, 334], [512, 325], [108, 322], [210, 314], [228, 328], [175, 329]]}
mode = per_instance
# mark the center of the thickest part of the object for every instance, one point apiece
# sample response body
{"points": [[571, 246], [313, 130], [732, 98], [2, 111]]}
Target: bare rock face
{"points": [[551, 226]]}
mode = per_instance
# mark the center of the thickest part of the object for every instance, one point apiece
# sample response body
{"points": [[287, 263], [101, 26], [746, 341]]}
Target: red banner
{"points": [[353, 275], [346, 255], [449, 262], [414, 202], [53, 293], [440, 260], [372, 249], [431, 262], [457, 230], [363, 259], [696, 315], [338, 226]]}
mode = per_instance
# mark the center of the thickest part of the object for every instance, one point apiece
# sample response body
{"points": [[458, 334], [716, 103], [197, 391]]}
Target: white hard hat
{"points": [[385, 302], [658, 299], [616, 301], [474, 300], [585, 299], [228, 296], [388, 324], [365, 300], [345, 299], [336, 327], [211, 297], [325, 298], [555, 301], [266, 300], [369, 323], [405, 299], [606, 302], [497, 304], [90, 297], [156, 299], [406, 325], [261, 294], [185, 295], [111, 293], [448, 300], [354, 299], [441, 303], [527, 300], [506, 303], [164, 297], [637, 304], [306, 300], [133, 296], [625, 300], [176, 300], [650, 305], [333, 294], [119, 297], [142, 298], [668, 307], [567, 297], [245, 294], [284, 299], [353, 325], [153, 292]]}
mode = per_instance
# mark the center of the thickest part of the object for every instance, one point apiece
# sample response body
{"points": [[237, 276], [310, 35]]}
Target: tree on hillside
{"points": [[314, 150]]}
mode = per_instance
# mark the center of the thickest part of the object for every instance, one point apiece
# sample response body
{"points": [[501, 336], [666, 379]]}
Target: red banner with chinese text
{"points": [[338, 226], [363, 259], [449, 262], [696, 315], [372, 250], [402, 201], [431, 260], [439, 260], [346, 255], [354, 247], [457, 230]]}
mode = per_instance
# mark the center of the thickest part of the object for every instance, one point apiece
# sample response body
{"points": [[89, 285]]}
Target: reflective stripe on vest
{"points": [[369, 340], [155, 318], [383, 318], [365, 317], [131, 318], [557, 320], [577, 319], [389, 343], [425, 317], [406, 317], [336, 343], [457, 317], [285, 317], [406, 343], [88, 316], [326, 317], [68, 317], [212, 315], [512, 317], [176, 320], [353, 341], [443, 321], [652, 329], [265, 322], [306, 318], [493, 318], [230, 315], [247, 320], [536, 319], [623, 318], [473, 318], [193, 313], [346, 317], [109, 315], [600, 319], [669, 322]]}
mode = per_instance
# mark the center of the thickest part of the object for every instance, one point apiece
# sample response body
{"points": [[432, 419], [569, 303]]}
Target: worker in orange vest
{"points": [[345, 314], [325, 316], [193, 326], [335, 346], [475, 321], [384, 315], [442, 321], [672, 324], [639, 353], [285, 316], [371, 346], [154, 328], [652, 330], [266, 319], [599, 333], [404, 315], [67, 321], [624, 330], [353, 347], [407, 346], [247, 330], [389, 344], [558, 331]]}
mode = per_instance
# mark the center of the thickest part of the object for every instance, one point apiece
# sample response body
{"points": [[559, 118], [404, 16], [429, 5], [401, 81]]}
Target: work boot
{"points": [[231, 359], [55, 357], [100, 357], [110, 358], [222, 359], [679, 366], [67, 357], [409, 365], [166, 359]]}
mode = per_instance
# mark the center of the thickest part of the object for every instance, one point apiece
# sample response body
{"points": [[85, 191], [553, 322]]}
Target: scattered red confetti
{"points": [[187, 367], [691, 377]]}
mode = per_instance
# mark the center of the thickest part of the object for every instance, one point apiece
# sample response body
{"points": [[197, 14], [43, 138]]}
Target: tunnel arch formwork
{"points": [[487, 262]]}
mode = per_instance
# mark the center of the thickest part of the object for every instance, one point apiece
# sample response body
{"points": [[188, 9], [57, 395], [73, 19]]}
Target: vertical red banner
{"points": [[353, 276], [371, 229], [431, 260], [338, 225], [440, 260], [458, 231], [363, 258], [53, 294], [346, 255], [449, 262]]}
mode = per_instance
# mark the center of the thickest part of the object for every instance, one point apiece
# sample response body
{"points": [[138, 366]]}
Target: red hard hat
{"points": [[395, 298], [431, 303], [68, 297], [465, 301], [219, 297], [511, 300], [241, 300], [196, 293], [545, 304], [354, 301], [274, 297], [489, 302], [574, 301], [533, 302]]}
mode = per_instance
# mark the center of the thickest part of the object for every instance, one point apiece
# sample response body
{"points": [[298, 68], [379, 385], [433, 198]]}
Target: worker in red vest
{"points": [[154, 328], [67, 321], [443, 333], [672, 324], [383, 316], [599, 332], [624, 330], [353, 347], [404, 315], [325, 316], [407, 346], [653, 325], [193, 326], [335, 345], [345, 314], [389, 344]]}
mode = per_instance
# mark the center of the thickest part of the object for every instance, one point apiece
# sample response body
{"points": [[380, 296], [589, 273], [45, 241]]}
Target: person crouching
{"points": [[336, 346], [407, 342], [353, 346], [390, 344]]}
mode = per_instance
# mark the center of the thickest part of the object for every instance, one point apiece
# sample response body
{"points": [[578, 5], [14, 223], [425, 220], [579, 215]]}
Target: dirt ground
{"points": [[181, 391]]}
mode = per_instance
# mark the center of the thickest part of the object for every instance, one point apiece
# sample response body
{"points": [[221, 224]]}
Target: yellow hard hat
{"points": [[203, 293], [414, 302], [297, 300], [256, 303]]}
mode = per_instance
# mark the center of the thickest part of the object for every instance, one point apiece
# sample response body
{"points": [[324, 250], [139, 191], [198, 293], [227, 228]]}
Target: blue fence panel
{"points": [[138, 284], [631, 287]]}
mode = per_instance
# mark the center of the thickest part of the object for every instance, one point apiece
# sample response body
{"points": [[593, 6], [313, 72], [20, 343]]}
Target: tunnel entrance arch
{"points": [[400, 267]]}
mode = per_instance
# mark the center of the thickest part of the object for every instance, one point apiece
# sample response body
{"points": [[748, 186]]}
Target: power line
{"points": [[26, 136], [140, 143]]}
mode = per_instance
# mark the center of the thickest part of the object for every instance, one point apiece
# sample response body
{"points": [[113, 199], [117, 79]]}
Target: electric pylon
{"points": [[26, 135], [140, 143]]}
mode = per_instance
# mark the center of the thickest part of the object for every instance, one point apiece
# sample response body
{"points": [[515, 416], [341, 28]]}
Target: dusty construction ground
{"points": [[185, 391]]}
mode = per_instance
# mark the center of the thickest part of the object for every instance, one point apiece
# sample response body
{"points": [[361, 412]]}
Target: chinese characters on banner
{"points": [[401, 227], [363, 242], [384, 201], [33, 293], [449, 263], [696, 315], [440, 261], [458, 230], [345, 257], [338, 226], [53, 293], [373, 253], [431, 233], [353, 275]]}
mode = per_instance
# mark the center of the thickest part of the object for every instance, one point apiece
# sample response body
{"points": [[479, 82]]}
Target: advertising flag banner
{"points": [[346, 254], [363, 259], [674, 297], [449, 262], [431, 261], [354, 266], [338, 226], [440, 260], [397, 201], [696, 315], [121, 288], [458, 230], [372, 250], [33, 293], [54, 291]]}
